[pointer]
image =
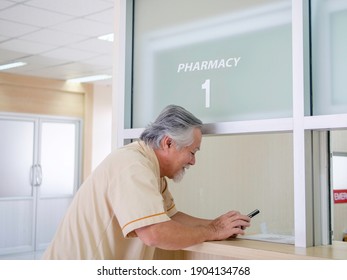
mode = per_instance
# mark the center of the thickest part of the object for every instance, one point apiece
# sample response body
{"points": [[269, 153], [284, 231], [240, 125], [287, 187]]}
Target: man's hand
{"points": [[228, 225]]}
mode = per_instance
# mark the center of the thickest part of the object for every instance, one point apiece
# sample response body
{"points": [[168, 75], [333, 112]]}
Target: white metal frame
{"points": [[299, 124]]}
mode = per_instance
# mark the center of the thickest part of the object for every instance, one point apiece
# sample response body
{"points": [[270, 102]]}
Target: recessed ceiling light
{"points": [[12, 65], [90, 79], [107, 37]]}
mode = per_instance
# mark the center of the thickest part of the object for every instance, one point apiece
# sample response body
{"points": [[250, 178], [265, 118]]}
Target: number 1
{"points": [[206, 87]]}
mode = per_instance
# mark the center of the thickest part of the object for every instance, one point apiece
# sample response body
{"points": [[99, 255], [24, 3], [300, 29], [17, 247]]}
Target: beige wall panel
{"points": [[41, 101], [41, 96], [242, 172]]}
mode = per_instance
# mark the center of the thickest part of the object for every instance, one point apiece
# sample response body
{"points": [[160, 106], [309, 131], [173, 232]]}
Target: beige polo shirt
{"points": [[125, 192]]}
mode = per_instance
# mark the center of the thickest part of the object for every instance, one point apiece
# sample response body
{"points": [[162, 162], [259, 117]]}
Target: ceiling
{"points": [[57, 38]]}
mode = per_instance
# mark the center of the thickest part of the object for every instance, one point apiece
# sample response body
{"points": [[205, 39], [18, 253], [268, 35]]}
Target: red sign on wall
{"points": [[340, 196]]}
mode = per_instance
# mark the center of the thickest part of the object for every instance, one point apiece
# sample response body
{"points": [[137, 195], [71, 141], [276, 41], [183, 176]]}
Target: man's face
{"points": [[185, 157]]}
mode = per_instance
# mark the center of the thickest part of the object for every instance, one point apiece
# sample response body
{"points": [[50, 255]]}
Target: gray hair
{"points": [[174, 121]]}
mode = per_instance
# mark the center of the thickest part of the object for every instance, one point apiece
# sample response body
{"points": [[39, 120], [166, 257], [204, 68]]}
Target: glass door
{"points": [[17, 196], [39, 174], [59, 162]]}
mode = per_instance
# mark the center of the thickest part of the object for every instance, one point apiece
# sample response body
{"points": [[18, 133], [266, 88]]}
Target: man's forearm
{"points": [[183, 230], [188, 220], [173, 235]]}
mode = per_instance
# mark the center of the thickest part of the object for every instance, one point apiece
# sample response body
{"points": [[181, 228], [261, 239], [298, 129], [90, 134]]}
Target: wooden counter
{"points": [[254, 250]]}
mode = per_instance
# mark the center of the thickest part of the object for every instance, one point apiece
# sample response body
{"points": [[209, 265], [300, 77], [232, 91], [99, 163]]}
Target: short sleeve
{"points": [[136, 198]]}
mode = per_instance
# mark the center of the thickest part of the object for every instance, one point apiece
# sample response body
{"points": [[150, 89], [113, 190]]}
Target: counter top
{"points": [[259, 250]]}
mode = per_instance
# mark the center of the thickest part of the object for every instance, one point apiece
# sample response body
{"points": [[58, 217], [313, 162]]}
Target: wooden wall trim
{"points": [[43, 83]]}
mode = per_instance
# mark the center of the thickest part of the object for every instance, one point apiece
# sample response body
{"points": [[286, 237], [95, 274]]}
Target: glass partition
{"points": [[232, 63], [222, 60], [243, 172], [338, 167], [329, 56]]}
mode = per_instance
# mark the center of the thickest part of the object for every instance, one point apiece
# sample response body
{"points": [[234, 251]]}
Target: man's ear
{"points": [[167, 142]]}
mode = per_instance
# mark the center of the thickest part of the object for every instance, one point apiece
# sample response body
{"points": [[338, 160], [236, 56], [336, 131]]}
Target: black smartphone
{"points": [[253, 213]]}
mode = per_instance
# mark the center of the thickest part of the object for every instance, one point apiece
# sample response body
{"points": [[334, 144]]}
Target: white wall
{"points": [[102, 123]]}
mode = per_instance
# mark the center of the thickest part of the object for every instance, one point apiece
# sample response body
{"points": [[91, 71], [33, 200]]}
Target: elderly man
{"points": [[124, 209]]}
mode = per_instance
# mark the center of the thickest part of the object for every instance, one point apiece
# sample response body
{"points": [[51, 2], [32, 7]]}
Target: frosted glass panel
{"points": [[16, 224], [222, 60], [58, 158], [49, 214], [329, 57], [16, 150]]}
